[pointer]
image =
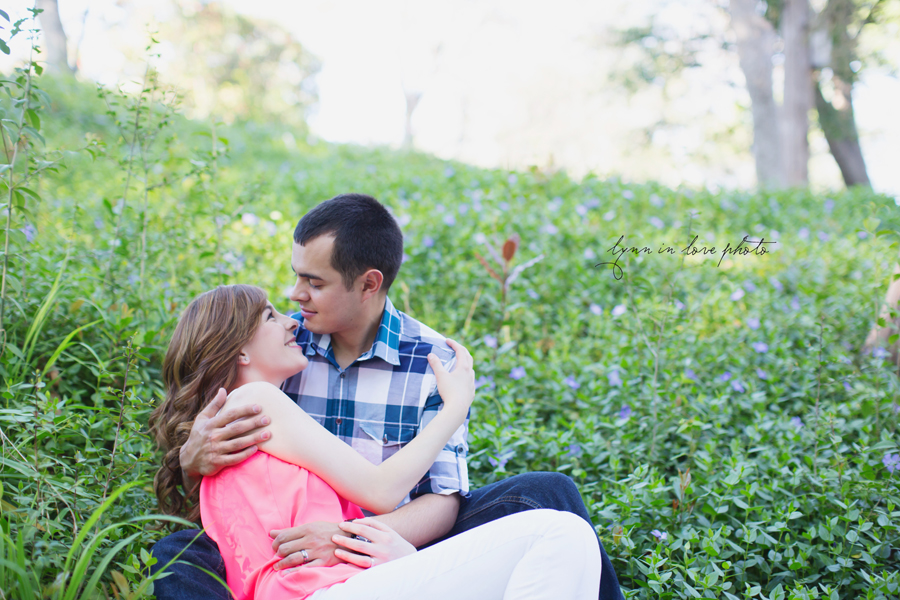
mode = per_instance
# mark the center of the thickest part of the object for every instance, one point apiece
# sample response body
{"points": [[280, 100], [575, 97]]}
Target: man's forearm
{"points": [[424, 519]]}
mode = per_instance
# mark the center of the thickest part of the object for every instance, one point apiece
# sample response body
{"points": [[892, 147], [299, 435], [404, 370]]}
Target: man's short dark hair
{"points": [[366, 236]]}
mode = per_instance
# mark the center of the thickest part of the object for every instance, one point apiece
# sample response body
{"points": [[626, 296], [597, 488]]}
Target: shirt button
{"points": [[342, 375], [460, 449], [339, 420], [384, 439]]}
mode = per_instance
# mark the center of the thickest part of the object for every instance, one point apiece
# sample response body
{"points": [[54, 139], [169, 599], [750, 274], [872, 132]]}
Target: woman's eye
{"points": [[271, 317]]}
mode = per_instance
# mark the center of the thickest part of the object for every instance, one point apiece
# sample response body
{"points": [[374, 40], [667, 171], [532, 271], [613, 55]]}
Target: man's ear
{"points": [[371, 282]]}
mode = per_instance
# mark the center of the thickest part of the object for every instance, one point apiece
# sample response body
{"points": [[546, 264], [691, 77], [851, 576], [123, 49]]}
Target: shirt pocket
{"points": [[379, 441]]}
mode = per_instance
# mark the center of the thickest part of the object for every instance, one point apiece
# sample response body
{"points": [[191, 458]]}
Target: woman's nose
{"points": [[291, 325]]}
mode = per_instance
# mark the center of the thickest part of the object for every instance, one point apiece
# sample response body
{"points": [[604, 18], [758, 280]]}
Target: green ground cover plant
{"points": [[728, 437]]}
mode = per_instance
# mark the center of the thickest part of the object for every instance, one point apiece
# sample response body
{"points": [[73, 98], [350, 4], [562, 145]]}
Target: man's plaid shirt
{"points": [[381, 401]]}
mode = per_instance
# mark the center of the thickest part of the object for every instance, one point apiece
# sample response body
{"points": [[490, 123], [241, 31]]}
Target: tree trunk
{"points": [[798, 97], [55, 43], [755, 43], [838, 51], [836, 119], [412, 100]]}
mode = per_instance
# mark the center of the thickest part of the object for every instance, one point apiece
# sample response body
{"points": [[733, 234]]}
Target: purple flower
{"points": [[571, 382], [512, 179], [619, 310], [533, 294], [625, 413], [449, 172], [862, 235], [30, 232], [589, 254], [823, 237], [737, 294], [249, 219], [628, 195], [517, 373], [797, 422], [689, 374], [501, 460], [891, 462], [761, 374], [98, 223], [750, 286], [753, 323], [609, 215], [776, 284], [596, 309], [848, 388], [896, 408], [660, 536], [795, 303], [724, 376], [504, 206], [614, 379], [738, 387], [404, 258], [656, 200], [490, 341], [480, 238], [879, 352], [581, 210], [463, 209], [428, 241], [829, 205], [592, 202], [551, 229], [657, 222], [761, 347], [450, 220], [574, 450], [679, 305], [485, 380], [803, 234]]}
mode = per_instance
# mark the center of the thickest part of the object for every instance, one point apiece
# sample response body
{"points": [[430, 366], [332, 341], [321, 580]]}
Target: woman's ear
{"points": [[243, 359]]}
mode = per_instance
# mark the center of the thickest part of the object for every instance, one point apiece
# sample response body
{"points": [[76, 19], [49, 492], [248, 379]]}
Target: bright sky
{"points": [[510, 83]]}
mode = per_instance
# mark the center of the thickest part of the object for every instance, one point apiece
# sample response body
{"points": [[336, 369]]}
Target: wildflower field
{"points": [[729, 438]]}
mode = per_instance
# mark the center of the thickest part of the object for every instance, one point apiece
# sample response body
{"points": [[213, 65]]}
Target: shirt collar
{"points": [[387, 340]]}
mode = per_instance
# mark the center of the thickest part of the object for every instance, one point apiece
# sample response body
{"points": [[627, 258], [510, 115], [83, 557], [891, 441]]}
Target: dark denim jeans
{"points": [[515, 494]]}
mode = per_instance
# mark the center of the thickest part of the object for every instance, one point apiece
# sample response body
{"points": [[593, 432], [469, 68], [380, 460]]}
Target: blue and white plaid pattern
{"points": [[379, 403]]}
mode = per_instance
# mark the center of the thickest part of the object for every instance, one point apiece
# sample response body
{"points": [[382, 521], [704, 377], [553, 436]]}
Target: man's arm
{"points": [[419, 521], [216, 441], [424, 519]]}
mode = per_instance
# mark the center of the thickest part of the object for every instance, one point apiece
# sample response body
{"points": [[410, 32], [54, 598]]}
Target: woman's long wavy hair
{"points": [[202, 357]]}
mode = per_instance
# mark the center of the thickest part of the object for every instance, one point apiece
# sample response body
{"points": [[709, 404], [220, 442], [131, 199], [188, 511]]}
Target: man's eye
{"points": [[315, 287]]}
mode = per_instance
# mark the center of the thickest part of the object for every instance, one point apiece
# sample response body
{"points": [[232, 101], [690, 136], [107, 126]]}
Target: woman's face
{"points": [[273, 354]]}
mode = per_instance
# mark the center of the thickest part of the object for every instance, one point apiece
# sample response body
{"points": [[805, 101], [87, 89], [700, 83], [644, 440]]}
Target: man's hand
{"points": [[384, 543], [317, 538], [218, 441]]}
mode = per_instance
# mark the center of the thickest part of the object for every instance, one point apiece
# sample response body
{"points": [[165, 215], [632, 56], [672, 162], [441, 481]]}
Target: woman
{"points": [[231, 337]]}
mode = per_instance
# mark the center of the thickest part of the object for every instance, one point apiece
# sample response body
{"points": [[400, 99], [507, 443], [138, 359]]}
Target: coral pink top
{"points": [[241, 504]]}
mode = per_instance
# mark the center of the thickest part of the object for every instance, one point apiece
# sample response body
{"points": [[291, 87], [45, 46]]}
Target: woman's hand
{"points": [[385, 544], [457, 389]]}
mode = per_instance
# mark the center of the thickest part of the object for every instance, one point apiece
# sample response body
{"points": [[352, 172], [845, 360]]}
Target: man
{"points": [[369, 383]]}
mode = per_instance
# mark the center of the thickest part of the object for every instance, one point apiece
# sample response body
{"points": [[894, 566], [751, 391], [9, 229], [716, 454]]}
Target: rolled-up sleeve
{"points": [[449, 473]]}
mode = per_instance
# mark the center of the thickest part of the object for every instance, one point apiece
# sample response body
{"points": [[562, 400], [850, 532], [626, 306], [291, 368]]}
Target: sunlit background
{"points": [[495, 83]]}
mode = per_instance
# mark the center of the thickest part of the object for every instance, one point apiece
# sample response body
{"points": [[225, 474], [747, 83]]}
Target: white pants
{"points": [[536, 554]]}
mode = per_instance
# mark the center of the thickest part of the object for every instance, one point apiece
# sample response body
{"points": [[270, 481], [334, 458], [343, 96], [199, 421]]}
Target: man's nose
{"points": [[299, 293]]}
